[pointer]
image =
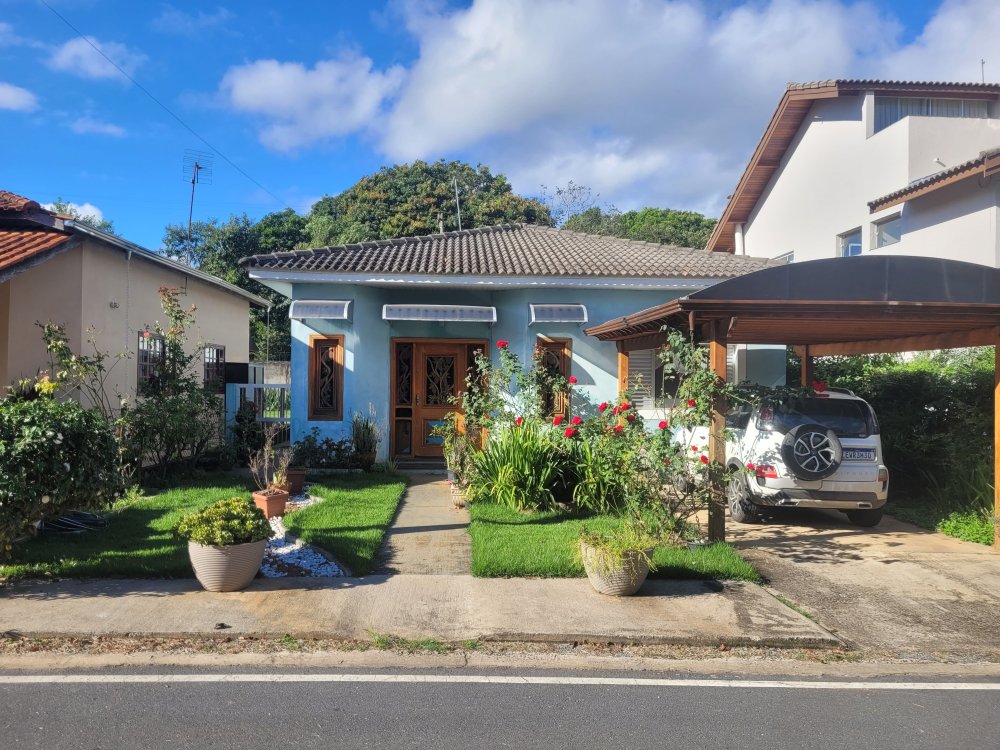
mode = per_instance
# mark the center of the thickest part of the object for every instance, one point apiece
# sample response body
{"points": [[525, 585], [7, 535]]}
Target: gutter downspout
{"points": [[738, 236]]}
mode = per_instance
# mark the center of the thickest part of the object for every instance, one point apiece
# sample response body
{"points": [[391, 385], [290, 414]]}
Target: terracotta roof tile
{"points": [[18, 245], [13, 202], [521, 250], [986, 164]]}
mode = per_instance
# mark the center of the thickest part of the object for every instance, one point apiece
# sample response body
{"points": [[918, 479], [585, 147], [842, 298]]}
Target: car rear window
{"points": [[846, 417]]}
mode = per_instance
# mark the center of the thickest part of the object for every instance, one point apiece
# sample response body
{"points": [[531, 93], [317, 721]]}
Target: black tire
{"points": [[741, 507], [866, 518], [811, 452]]}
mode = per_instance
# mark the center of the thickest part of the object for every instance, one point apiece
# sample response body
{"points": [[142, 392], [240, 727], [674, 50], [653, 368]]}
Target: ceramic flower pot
{"points": [[611, 576], [271, 501], [296, 479], [228, 568]]}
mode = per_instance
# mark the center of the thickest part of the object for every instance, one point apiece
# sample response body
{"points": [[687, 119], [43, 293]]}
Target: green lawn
{"points": [[137, 543], [508, 543], [353, 518], [969, 524]]}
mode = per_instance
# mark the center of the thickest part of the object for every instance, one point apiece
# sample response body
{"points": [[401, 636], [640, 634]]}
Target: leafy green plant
{"points": [[235, 520], [611, 549], [519, 468], [314, 452], [365, 433], [54, 457]]}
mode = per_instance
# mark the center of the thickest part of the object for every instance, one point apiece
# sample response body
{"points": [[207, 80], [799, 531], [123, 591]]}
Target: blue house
{"points": [[393, 325]]}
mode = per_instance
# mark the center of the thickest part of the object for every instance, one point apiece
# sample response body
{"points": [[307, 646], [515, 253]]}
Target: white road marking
{"points": [[488, 680]]}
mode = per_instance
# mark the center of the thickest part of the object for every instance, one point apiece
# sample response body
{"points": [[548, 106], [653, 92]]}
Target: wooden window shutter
{"points": [[326, 377]]}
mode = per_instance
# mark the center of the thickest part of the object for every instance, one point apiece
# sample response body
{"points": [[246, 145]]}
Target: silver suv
{"points": [[823, 451]]}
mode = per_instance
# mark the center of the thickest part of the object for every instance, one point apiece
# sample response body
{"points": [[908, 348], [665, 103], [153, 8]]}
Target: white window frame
{"points": [[786, 257], [877, 225], [842, 244]]}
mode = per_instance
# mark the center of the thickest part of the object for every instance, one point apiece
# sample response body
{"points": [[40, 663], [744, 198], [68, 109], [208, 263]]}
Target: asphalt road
{"points": [[370, 709]]}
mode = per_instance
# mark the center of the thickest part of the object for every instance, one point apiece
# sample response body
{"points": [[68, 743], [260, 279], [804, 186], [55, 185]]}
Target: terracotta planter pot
{"points": [[296, 480], [611, 577], [271, 501], [228, 568]]}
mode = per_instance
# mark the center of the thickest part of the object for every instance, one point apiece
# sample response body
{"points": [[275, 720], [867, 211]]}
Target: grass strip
{"points": [[506, 543]]}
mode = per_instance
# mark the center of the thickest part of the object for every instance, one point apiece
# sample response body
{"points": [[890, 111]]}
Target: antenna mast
{"points": [[197, 170], [458, 203], [982, 69]]}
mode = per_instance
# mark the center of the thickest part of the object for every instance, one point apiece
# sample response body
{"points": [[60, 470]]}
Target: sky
{"points": [[647, 102]]}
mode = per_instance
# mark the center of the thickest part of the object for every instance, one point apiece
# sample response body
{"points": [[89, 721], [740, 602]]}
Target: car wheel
{"points": [[811, 452], [741, 508], [865, 517]]}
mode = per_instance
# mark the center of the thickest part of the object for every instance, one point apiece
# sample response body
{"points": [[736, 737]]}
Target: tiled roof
{"points": [[873, 84], [20, 244], [13, 202], [520, 250], [986, 164]]}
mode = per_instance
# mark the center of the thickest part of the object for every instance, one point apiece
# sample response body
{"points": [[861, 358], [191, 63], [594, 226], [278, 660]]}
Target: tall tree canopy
{"points": [[684, 228], [68, 209], [411, 199]]}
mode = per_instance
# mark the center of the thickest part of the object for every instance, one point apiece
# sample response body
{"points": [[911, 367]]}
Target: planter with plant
{"points": [[268, 468], [226, 543], [366, 436]]}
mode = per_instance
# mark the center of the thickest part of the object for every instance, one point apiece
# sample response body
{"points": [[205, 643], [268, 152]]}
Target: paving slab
{"points": [[447, 607], [895, 586], [429, 535]]}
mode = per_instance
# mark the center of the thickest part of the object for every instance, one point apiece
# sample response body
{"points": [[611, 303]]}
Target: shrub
{"points": [[235, 520], [54, 457], [520, 467], [314, 452]]}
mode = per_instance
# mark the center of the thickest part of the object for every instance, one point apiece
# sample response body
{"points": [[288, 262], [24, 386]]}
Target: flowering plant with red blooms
{"points": [[503, 344], [703, 459], [664, 424], [630, 417], [519, 421], [619, 428], [570, 432], [572, 379], [692, 403], [603, 407], [557, 420], [576, 420]]}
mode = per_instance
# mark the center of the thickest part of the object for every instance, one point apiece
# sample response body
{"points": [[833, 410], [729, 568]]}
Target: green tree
{"points": [[415, 199], [664, 225], [68, 209]]}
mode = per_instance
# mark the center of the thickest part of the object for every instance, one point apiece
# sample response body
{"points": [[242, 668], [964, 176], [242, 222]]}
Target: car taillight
{"points": [[764, 471], [883, 474]]}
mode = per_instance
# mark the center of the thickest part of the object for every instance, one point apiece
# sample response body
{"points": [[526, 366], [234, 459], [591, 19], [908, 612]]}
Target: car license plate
{"points": [[859, 454]]}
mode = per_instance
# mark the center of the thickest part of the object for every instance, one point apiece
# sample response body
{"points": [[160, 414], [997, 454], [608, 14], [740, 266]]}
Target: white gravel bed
{"points": [[292, 557]]}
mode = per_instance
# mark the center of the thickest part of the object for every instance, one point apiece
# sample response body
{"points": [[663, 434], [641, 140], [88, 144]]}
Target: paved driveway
{"points": [[896, 587]]}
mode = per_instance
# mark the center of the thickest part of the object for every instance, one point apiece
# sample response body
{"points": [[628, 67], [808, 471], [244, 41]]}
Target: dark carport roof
{"points": [[837, 306]]}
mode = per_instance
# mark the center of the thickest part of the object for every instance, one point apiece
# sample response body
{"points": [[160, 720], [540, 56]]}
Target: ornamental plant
{"points": [[54, 457], [235, 520]]}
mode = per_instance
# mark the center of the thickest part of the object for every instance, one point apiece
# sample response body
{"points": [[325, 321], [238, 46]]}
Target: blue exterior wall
{"points": [[367, 340]]}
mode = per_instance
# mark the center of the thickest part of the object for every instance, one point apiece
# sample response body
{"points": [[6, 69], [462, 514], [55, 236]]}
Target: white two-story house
{"points": [[850, 167]]}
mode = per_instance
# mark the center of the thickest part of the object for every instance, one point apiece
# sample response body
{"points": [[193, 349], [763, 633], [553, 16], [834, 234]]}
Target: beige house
{"points": [[55, 269]]}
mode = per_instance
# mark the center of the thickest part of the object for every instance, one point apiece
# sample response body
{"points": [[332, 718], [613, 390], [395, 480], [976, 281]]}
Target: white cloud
{"points": [[649, 102], [17, 99], [78, 56], [10, 38], [90, 125], [175, 21], [305, 105], [88, 210]]}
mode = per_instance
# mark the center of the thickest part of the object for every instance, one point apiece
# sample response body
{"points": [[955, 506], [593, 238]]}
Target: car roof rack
{"points": [[844, 391]]}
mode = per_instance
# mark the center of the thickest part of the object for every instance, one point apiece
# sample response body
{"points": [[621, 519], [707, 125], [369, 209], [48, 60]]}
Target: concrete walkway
{"points": [[430, 535], [447, 607], [895, 587]]}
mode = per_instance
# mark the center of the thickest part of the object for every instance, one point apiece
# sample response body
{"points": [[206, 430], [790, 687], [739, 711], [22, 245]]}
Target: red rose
{"points": [[625, 407], [615, 410], [691, 402], [572, 379], [630, 417], [666, 461], [694, 448], [502, 344], [664, 424], [576, 420], [557, 420], [618, 428], [570, 432], [602, 407], [486, 416], [704, 459], [519, 421], [751, 467]]}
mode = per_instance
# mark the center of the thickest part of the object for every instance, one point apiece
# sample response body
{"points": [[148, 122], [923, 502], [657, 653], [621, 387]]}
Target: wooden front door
{"points": [[438, 376]]}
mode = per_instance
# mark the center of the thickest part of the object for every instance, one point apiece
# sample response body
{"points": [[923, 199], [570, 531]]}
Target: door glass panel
{"points": [[429, 425], [403, 441], [404, 374], [439, 381]]}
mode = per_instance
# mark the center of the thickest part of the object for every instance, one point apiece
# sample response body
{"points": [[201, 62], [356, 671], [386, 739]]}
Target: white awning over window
{"points": [[554, 313], [441, 313], [323, 309]]}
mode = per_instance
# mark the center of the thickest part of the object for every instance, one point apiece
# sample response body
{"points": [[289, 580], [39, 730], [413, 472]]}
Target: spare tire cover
{"points": [[811, 452]]}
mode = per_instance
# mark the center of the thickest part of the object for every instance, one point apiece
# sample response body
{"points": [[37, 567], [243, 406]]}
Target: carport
{"points": [[838, 306]]}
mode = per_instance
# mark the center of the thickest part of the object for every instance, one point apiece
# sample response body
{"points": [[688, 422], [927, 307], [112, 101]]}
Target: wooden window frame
{"points": [[326, 414], [213, 376], [146, 369], [564, 347]]}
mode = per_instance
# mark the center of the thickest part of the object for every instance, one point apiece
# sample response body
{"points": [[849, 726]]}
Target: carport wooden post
{"points": [[996, 443], [807, 367], [718, 330]]}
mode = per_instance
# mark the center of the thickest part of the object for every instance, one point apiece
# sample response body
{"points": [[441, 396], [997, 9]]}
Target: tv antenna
{"points": [[198, 171], [982, 69]]}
